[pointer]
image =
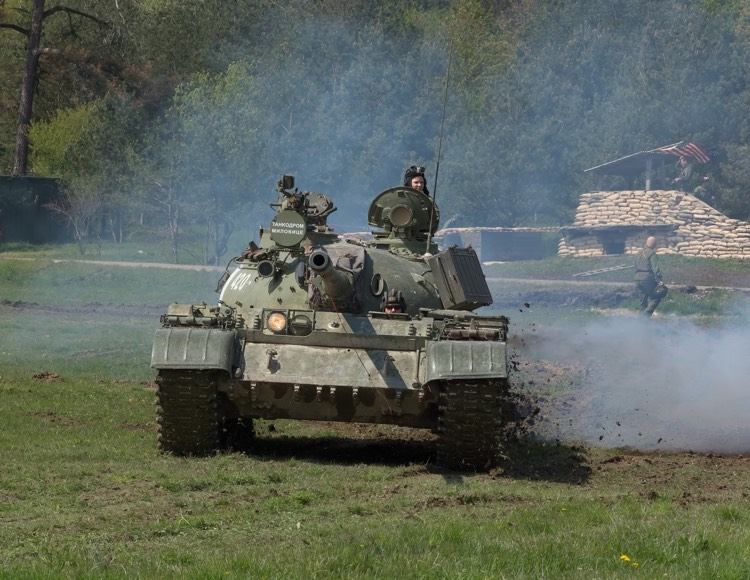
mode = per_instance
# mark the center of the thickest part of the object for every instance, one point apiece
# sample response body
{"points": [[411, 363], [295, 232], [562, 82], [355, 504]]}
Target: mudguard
{"points": [[464, 359], [194, 348]]}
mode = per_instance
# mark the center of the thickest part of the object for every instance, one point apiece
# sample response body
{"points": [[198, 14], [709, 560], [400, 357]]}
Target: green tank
{"points": [[312, 326]]}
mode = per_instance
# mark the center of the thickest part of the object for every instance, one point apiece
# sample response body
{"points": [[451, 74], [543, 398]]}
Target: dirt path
{"points": [[120, 264], [161, 265]]}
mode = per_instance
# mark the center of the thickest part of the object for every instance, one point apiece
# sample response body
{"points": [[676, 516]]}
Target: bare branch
{"points": [[56, 9], [15, 27]]}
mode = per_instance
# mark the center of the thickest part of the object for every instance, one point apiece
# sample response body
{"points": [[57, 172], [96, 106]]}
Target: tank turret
{"points": [[406, 218]]}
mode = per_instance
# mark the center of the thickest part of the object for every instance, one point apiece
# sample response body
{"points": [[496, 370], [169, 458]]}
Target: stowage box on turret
{"points": [[311, 326]]}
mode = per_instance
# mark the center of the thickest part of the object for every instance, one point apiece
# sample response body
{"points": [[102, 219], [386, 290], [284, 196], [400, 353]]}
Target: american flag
{"points": [[686, 149]]}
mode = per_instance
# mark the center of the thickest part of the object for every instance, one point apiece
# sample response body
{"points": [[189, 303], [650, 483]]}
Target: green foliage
{"points": [[736, 177], [194, 109], [57, 142], [214, 136], [94, 148]]}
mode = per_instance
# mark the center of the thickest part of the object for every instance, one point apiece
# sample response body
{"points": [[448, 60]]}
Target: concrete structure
{"points": [[502, 244], [24, 212], [617, 222]]}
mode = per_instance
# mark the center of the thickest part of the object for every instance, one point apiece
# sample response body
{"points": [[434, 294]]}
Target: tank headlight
{"points": [[276, 322]]}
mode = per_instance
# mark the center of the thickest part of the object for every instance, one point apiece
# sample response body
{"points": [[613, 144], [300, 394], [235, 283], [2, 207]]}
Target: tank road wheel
{"points": [[470, 423], [186, 411]]}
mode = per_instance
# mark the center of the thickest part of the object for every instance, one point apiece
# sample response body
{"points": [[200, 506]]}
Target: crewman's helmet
{"points": [[415, 171], [393, 302]]}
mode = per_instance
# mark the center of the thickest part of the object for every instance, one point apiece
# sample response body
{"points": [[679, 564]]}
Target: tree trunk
{"points": [[28, 85]]}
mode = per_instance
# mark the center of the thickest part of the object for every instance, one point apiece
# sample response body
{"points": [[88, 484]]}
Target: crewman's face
{"points": [[417, 183]]}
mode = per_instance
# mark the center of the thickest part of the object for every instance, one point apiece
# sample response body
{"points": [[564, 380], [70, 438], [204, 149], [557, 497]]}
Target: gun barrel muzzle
{"points": [[338, 284], [319, 261]]}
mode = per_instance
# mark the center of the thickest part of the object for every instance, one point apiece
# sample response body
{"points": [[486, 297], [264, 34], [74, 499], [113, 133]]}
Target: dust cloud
{"points": [[659, 384]]}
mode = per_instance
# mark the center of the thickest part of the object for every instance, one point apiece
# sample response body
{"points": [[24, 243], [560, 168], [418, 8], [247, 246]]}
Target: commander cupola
{"points": [[404, 216]]}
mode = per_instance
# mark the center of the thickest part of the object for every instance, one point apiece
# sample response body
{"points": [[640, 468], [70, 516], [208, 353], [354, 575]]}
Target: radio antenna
{"points": [[440, 147]]}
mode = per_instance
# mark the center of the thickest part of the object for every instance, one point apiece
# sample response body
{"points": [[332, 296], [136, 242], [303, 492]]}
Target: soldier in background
{"points": [[686, 175], [689, 180], [414, 178], [648, 278]]}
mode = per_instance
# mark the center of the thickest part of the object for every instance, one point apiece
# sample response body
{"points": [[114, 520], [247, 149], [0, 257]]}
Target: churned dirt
{"points": [[687, 478], [47, 377]]}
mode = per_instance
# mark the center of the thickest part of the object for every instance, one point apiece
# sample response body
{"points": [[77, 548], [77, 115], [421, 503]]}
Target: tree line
{"points": [[174, 119]]}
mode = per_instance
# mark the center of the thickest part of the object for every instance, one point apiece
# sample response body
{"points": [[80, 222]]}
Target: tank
{"points": [[312, 326]]}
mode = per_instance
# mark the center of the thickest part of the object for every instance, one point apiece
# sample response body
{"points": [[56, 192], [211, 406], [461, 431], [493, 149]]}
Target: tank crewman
{"points": [[648, 278], [393, 302], [414, 178]]}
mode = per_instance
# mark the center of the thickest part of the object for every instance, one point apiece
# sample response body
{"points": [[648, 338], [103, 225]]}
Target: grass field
{"points": [[85, 493], [681, 270], [150, 249]]}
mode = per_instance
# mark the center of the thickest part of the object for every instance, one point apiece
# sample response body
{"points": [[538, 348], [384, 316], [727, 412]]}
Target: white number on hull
{"points": [[237, 281]]}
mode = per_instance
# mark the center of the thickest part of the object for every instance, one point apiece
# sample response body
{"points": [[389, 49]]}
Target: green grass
{"points": [[677, 270], [90, 345], [85, 493], [717, 303], [128, 251], [147, 249], [554, 301], [558, 304], [50, 283]]}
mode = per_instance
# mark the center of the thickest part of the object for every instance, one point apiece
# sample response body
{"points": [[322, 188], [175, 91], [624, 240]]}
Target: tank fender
{"points": [[465, 359], [194, 348]]}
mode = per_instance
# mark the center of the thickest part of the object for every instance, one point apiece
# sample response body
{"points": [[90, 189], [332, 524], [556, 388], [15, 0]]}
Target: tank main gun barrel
{"points": [[338, 284]]}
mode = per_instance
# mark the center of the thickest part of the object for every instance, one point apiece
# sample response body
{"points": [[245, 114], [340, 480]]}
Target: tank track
{"points": [[236, 434], [187, 412], [471, 423]]}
